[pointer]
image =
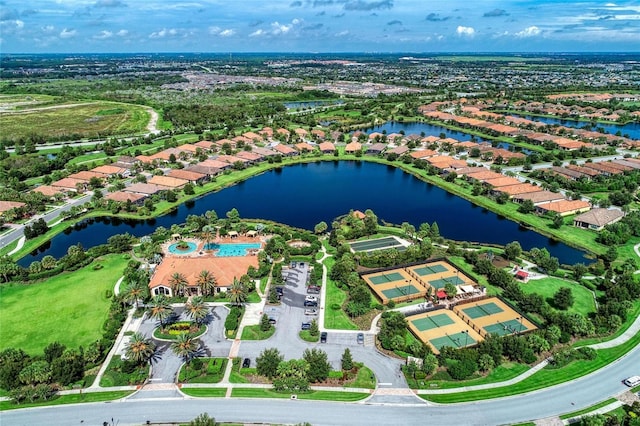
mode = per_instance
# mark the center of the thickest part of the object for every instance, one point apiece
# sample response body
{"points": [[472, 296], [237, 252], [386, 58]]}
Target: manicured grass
{"points": [[69, 308], [86, 120], [70, 399], [588, 409], [115, 376], [212, 371], [158, 334], [503, 372], [583, 298], [543, 378], [253, 332], [205, 392], [631, 316], [307, 337], [311, 395], [365, 379], [334, 316]]}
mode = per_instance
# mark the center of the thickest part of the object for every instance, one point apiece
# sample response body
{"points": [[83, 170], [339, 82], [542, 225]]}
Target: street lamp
{"points": [[466, 337]]}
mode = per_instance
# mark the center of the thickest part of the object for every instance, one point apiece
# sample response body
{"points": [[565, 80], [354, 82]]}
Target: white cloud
{"points": [[279, 28], [171, 32], [258, 33], [342, 33], [122, 33], [227, 33], [103, 35], [465, 31], [65, 33], [48, 29], [217, 31], [531, 31], [214, 30]]}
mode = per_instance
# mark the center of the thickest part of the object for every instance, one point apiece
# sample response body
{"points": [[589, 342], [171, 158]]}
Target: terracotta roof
{"points": [[358, 214], [8, 205], [327, 146], [425, 153], [521, 188], [215, 164], [540, 196], [250, 155], [122, 196], [204, 144], [565, 206], [484, 174], [353, 146], [47, 190], [502, 181], [284, 149], [68, 183], [186, 175], [167, 181], [86, 175], [109, 170], [144, 188], [303, 146]]}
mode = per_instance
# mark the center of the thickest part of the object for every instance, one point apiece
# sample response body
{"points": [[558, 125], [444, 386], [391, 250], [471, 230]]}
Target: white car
{"points": [[311, 298], [311, 312], [632, 381]]}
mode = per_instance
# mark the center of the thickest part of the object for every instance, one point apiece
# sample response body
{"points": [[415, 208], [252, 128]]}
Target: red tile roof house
{"points": [[318, 134], [191, 176], [264, 152], [376, 149], [285, 150], [167, 182], [221, 165], [205, 170], [352, 147], [521, 188], [251, 156], [87, 176], [327, 148], [539, 197], [205, 145], [399, 150], [284, 133], [5, 206], [70, 184], [123, 197], [304, 147], [232, 159], [48, 190], [564, 208], [144, 188], [597, 219], [111, 170]]}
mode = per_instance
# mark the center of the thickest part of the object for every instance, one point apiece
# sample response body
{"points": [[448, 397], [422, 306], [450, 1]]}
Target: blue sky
{"points": [[318, 26]]}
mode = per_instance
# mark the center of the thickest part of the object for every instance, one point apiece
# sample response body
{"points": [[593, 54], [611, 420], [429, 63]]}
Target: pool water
{"points": [[232, 249], [173, 248]]}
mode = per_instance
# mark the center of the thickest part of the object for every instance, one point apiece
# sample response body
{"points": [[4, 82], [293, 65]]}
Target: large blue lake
{"points": [[305, 194], [632, 130]]}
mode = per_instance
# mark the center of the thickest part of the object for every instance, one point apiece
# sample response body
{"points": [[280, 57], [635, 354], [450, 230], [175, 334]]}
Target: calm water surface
{"points": [[305, 194]]}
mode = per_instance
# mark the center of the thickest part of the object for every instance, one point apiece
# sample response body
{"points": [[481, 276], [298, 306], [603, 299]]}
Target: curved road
{"points": [[553, 401]]}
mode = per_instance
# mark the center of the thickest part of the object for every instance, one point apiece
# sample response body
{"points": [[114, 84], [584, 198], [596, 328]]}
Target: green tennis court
{"points": [[457, 340], [380, 243], [407, 290], [386, 278], [428, 270], [506, 327], [478, 311], [438, 284], [434, 321]]}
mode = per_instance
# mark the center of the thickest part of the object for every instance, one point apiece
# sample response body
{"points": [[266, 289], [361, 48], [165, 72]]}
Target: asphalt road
{"points": [[535, 405]]}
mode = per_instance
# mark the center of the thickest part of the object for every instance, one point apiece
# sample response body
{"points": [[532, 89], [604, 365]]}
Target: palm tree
{"points": [[160, 309], [206, 281], [196, 309], [206, 235], [237, 293], [185, 347], [136, 289], [139, 349], [178, 283]]}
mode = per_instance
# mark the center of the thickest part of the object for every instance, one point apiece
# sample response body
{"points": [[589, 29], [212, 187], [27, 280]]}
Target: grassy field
{"points": [[506, 371], [205, 392], [547, 287], [253, 332], [69, 308], [334, 316], [312, 395], [85, 120], [70, 399]]}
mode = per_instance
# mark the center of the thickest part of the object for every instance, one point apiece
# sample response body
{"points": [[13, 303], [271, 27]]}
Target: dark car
{"points": [[280, 290], [360, 338], [246, 363], [323, 337], [310, 303], [313, 289], [305, 326], [272, 321]]}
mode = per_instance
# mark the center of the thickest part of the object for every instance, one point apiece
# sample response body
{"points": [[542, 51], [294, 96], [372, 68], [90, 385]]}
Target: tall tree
{"points": [[237, 293], [178, 283], [185, 347], [196, 309], [139, 349], [160, 309], [206, 282]]}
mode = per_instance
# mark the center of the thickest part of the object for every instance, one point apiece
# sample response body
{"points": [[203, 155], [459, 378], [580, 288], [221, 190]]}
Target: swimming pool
{"points": [[174, 249], [232, 249]]}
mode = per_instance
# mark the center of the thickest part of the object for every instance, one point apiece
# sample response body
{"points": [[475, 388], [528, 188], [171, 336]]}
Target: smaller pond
{"points": [[310, 104], [176, 248], [231, 250], [632, 130]]}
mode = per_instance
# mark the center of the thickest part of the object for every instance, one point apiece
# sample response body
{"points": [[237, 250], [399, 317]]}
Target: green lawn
{"points": [[506, 371], [69, 308], [205, 392], [312, 395], [547, 287], [588, 409], [253, 332], [334, 316], [212, 371], [70, 399]]}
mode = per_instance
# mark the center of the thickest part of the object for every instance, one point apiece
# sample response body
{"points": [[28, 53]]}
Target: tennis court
{"points": [[432, 321], [481, 310], [440, 283], [442, 328], [457, 340], [506, 327], [386, 278], [493, 316], [378, 244], [396, 285], [428, 270]]}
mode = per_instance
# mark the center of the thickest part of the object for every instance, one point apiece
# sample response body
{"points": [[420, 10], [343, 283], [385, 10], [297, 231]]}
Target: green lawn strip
{"points": [[114, 376], [263, 284], [69, 399], [69, 308], [205, 392], [334, 316], [588, 409], [506, 371], [253, 332], [543, 378], [365, 379], [307, 337], [583, 298], [311, 395], [212, 371]]}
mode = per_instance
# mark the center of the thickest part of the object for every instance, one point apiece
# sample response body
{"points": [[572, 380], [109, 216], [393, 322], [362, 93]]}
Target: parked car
{"points": [[280, 290], [310, 303], [293, 264], [305, 326], [360, 338], [323, 337], [272, 321], [311, 298], [311, 312], [246, 363], [314, 289], [301, 264]]}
